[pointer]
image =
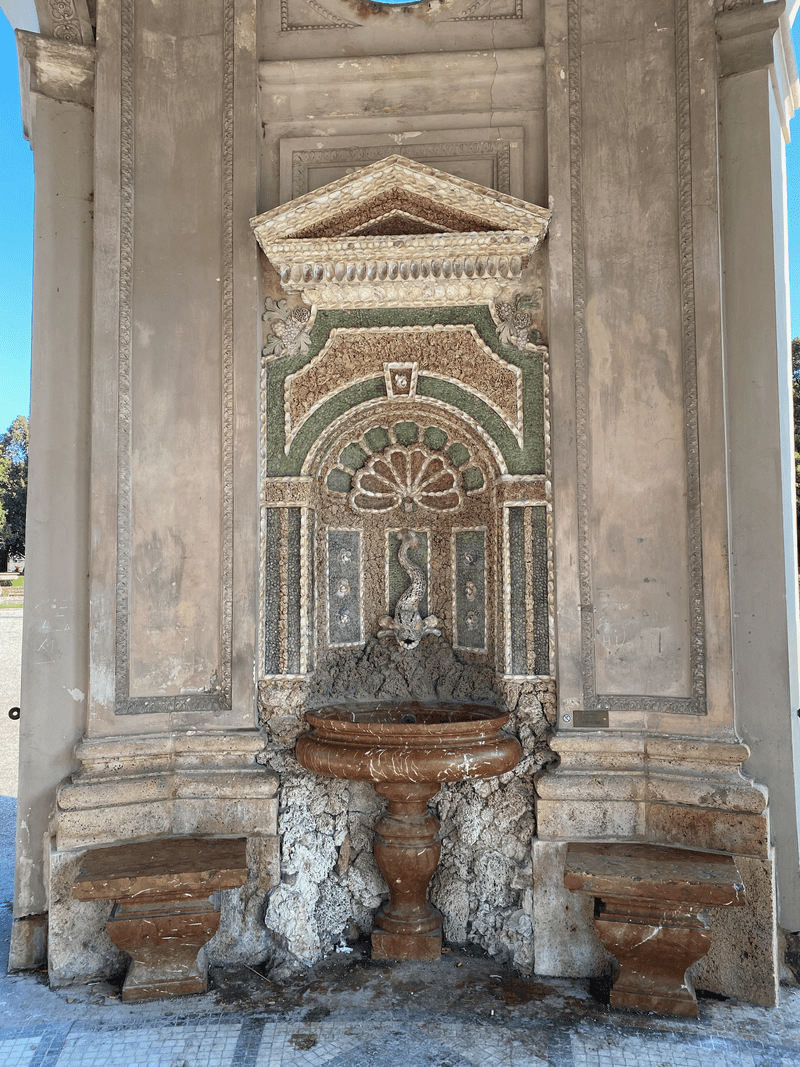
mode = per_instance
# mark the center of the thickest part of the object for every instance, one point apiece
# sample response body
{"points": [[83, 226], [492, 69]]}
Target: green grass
{"points": [[9, 586]]}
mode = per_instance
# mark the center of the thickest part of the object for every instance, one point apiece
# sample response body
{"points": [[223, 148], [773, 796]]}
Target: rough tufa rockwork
{"points": [[330, 884]]}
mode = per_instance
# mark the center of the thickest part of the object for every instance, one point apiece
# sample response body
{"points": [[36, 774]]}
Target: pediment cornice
{"points": [[399, 233]]}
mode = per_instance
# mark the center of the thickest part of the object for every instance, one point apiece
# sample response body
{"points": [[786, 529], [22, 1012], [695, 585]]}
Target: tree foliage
{"points": [[13, 489]]}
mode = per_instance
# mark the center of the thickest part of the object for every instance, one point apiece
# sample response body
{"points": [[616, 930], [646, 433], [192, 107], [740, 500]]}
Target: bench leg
{"points": [[654, 946], [164, 940]]}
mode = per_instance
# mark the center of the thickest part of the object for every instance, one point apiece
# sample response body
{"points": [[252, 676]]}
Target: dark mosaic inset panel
{"points": [[526, 605], [397, 581], [293, 591], [283, 590], [470, 589], [516, 548], [541, 620], [272, 590], [311, 593], [344, 587]]}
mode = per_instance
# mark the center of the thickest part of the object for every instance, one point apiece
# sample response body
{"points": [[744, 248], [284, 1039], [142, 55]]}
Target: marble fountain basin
{"points": [[407, 749], [408, 741]]}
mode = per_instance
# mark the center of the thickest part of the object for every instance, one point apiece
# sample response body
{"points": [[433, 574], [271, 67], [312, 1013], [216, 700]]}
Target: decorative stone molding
{"points": [[218, 696], [752, 35], [159, 785], [454, 354], [341, 15], [401, 477], [497, 151], [57, 69], [478, 240], [66, 20], [745, 33], [695, 702]]}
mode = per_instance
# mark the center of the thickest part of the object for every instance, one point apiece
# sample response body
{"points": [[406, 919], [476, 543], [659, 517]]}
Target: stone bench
{"points": [[162, 915], [648, 900]]}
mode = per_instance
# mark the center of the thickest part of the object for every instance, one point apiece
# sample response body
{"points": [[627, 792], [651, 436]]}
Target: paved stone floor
{"points": [[353, 1012], [350, 1011]]}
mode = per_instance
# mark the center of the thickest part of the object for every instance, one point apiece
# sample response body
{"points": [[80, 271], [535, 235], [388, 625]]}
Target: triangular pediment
{"points": [[390, 230], [394, 191]]}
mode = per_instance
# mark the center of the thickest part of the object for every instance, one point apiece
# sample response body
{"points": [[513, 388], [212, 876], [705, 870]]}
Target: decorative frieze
{"points": [[497, 153]]}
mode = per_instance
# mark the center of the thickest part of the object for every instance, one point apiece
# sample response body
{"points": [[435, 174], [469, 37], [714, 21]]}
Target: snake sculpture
{"points": [[408, 626]]}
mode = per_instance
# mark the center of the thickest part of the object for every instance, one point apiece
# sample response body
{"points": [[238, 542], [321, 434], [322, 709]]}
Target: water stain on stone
{"points": [[303, 1042], [517, 990], [316, 1014]]}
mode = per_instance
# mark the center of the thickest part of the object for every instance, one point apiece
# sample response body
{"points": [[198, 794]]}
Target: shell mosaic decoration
{"points": [[407, 478], [405, 461], [517, 322], [289, 329]]}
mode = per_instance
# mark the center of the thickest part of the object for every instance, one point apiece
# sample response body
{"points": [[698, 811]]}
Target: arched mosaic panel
{"points": [[421, 419]]}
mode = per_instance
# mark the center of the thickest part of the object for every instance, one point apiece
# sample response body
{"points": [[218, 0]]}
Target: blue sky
{"points": [[16, 240], [16, 234]]}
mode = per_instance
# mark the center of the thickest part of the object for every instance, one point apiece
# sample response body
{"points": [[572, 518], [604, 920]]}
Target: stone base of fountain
{"points": [[407, 852], [407, 750]]}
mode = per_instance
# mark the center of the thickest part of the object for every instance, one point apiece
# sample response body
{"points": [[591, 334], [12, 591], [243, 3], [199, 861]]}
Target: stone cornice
{"points": [[745, 36], [59, 70], [755, 36]]}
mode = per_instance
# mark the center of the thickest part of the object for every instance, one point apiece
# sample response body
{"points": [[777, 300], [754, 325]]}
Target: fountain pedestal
{"points": [[407, 852], [407, 750]]}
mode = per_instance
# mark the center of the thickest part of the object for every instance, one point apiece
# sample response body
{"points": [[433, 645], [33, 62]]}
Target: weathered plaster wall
{"points": [[174, 399], [55, 681], [763, 538], [330, 883]]}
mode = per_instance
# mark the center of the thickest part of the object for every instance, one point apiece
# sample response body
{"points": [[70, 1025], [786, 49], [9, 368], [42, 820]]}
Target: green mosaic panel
{"points": [[435, 438], [473, 479], [311, 570], [353, 457], [470, 577], [525, 459], [344, 585], [406, 433], [459, 454], [377, 438], [339, 482]]}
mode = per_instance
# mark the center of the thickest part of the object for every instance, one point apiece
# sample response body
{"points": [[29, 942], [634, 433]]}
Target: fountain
{"points": [[407, 749]]}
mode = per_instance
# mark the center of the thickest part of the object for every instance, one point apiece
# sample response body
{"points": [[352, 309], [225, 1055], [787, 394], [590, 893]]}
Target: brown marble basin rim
{"points": [[408, 741]]}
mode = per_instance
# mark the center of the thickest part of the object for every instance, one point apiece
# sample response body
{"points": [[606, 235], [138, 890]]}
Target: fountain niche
{"points": [[405, 491]]}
